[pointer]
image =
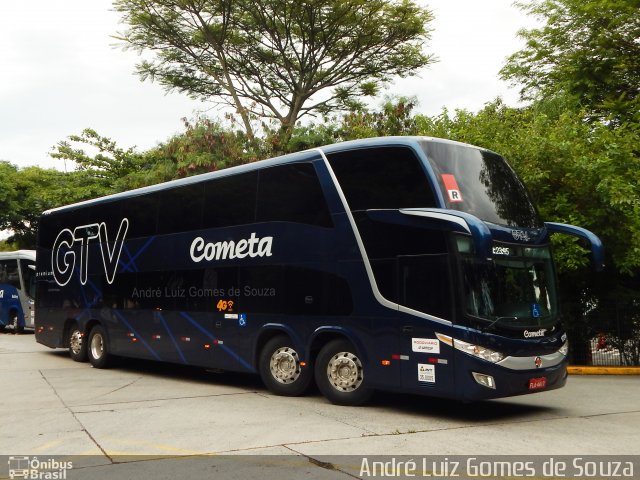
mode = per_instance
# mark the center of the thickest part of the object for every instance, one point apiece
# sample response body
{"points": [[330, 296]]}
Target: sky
{"points": [[61, 71]]}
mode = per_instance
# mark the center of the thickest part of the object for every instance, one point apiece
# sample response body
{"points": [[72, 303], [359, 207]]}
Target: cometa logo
{"points": [[537, 333], [249, 247], [64, 257]]}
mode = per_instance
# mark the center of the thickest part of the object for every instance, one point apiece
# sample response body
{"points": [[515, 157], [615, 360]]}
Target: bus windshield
{"points": [[481, 183], [514, 290]]}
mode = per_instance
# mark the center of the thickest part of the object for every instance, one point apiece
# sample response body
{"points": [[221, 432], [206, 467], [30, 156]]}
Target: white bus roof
{"points": [[23, 254]]}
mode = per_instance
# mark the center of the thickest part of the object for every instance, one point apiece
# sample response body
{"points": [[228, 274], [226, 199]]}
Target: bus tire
{"points": [[77, 344], [280, 368], [340, 374], [15, 323], [97, 348]]}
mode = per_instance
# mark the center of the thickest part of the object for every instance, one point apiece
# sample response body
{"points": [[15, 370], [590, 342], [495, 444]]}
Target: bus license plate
{"points": [[537, 383]]}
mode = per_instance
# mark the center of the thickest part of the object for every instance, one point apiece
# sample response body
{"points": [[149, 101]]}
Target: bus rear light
{"points": [[479, 352], [385, 363], [484, 380]]}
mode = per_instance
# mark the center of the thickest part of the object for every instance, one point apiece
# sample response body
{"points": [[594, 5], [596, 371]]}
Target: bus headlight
{"points": [[477, 351], [564, 349]]}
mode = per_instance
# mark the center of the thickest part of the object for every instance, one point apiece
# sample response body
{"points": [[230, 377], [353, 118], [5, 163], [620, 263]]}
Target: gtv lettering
{"points": [[64, 257]]}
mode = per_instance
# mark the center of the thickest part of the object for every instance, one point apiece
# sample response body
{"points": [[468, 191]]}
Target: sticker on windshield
{"points": [[535, 310], [451, 185]]}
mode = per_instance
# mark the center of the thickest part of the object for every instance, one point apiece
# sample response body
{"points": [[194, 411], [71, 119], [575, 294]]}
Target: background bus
{"points": [[404, 263], [17, 289]]}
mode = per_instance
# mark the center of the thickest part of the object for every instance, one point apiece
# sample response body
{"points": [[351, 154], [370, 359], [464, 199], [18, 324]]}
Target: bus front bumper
{"points": [[480, 380]]}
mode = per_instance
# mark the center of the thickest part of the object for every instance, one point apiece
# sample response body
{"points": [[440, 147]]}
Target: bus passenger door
{"points": [[424, 288]]}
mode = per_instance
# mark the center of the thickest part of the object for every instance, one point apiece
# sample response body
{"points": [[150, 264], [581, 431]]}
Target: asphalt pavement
{"points": [[164, 420]]}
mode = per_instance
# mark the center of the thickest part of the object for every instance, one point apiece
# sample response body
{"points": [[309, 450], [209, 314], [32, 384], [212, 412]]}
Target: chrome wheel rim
{"points": [[345, 372], [285, 365], [97, 346], [75, 342]]}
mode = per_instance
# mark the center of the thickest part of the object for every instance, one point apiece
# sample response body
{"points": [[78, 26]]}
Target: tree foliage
{"points": [[587, 50], [28, 192], [276, 59]]}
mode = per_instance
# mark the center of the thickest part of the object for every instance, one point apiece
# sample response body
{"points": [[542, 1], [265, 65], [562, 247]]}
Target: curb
{"points": [[574, 370]]}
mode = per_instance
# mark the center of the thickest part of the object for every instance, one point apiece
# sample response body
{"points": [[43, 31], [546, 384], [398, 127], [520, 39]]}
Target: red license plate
{"points": [[537, 383]]}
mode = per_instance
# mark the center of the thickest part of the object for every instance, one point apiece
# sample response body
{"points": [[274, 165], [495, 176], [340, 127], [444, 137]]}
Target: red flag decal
{"points": [[451, 185]]}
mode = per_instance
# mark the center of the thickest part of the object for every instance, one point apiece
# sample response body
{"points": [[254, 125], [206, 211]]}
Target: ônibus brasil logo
{"points": [[64, 258]]}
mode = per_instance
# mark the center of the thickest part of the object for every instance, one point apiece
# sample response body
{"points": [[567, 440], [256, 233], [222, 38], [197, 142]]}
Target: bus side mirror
{"points": [[597, 250], [455, 221]]}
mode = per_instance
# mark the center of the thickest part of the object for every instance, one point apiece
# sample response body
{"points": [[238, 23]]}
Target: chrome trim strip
{"points": [[440, 216], [374, 286], [528, 363]]}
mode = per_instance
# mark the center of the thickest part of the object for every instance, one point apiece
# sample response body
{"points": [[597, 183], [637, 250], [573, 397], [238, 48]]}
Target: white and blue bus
{"points": [[17, 289], [407, 264]]}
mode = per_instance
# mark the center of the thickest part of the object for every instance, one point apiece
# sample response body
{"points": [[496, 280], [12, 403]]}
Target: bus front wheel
{"points": [[98, 349], [281, 369], [77, 344], [340, 374]]}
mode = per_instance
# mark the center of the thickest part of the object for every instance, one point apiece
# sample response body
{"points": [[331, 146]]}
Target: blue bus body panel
{"points": [[10, 302]]}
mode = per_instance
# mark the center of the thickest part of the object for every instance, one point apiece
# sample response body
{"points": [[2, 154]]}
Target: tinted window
{"points": [[294, 291], [388, 177], [424, 284], [51, 225], [481, 183], [142, 213], [28, 269], [230, 201], [292, 193], [180, 209], [410, 264], [9, 273]]}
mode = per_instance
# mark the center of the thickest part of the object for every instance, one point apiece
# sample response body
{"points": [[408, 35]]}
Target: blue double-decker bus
{"points": [[406, 264]]}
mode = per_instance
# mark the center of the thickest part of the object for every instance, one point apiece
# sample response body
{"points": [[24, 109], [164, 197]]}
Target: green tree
{"points": [[587, 50], [276, 59], [9, 201], [206, 146], [108, 166], [35, 190]]}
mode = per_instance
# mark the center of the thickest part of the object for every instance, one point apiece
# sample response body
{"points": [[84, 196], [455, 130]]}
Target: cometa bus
{"points": [[406, 264]]}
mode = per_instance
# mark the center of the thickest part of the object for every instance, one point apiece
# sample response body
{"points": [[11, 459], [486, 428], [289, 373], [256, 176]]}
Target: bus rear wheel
{"points": [[281, 369], [77, 344], [340, 374], [98, 350]]}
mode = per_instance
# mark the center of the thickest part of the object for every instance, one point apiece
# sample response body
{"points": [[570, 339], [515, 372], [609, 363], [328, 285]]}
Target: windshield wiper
{"points": [[499, 319]]}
